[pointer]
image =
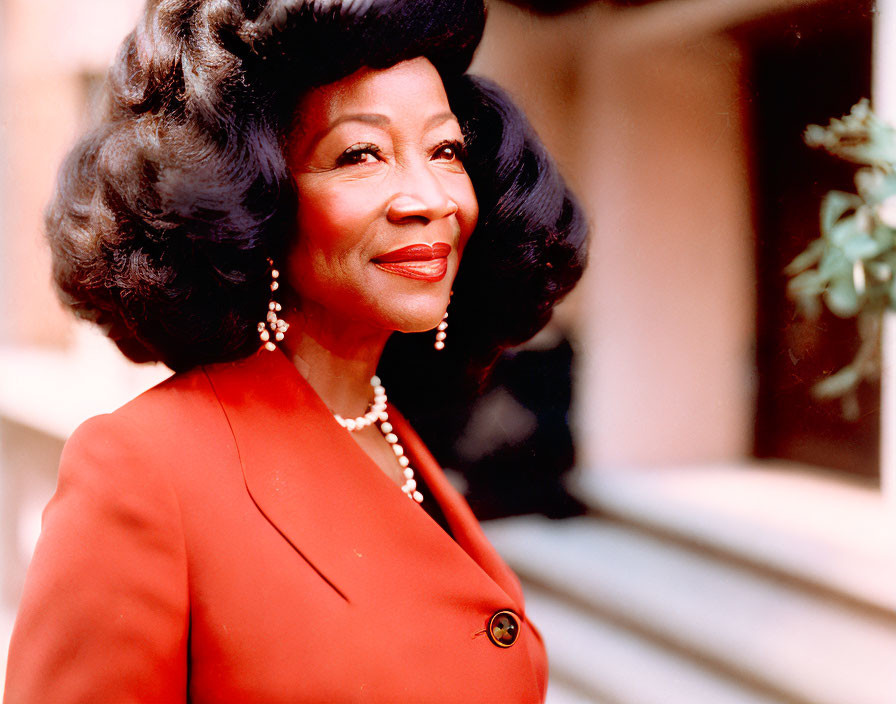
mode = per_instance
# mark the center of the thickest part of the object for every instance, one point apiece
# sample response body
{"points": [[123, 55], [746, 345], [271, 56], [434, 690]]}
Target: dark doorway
{"points": [[805, 67]]}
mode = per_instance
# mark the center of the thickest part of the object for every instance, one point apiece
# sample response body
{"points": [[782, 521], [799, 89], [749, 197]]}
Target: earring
{"points": [[441, 335], [272, 323]]}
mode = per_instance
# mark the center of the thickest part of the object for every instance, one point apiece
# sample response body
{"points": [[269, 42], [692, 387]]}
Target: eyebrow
{"points": [[378, 120]]}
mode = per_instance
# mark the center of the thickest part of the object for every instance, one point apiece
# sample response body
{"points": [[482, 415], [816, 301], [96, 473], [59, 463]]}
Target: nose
{"points": [[421, 196]]}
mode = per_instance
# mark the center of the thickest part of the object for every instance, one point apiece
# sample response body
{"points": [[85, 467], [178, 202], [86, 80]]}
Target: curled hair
{"points": [[165, 214]]}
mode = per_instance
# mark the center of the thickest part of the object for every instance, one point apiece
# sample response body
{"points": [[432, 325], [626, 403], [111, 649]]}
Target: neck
{"points": [[336, 357]]}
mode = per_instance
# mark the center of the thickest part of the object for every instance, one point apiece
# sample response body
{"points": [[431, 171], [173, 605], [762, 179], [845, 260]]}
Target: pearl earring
{"points": [[441, 335], [272, 324]]}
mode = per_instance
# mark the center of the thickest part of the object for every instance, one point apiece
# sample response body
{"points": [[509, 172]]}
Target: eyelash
{"points": [[351, 156], [460, 149]]}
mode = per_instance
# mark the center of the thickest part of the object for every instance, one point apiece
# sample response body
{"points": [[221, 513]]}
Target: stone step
{"points": [[800, 522], [772, 638], [559, 693], [597, 662]]}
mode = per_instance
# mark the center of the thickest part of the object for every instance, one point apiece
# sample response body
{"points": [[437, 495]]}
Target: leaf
{"points": [[878, 148], [860, 137], [881, 271], [841, 231], [887, 185], [808, 257], [834, 206], [837, 384], [805, 289], [809, 307], [834, 264], [871, 181], [862, 246], [884, 235], [809, 283], [841, 297], [876, 184], [892, 293], [856, 260]]}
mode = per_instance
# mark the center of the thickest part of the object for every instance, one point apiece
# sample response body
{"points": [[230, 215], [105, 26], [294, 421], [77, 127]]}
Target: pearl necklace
{"points": [[377, 413]]}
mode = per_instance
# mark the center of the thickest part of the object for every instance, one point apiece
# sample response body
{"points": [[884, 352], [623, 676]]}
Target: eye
{"points": [[363, 153], [450, 150]]}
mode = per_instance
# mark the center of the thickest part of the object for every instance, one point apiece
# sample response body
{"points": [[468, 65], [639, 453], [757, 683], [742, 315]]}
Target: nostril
{"points": [[406, 206], [412, 207]]}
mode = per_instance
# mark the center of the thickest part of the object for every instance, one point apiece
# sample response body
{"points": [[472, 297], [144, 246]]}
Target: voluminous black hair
{"points": [[166, 213]]}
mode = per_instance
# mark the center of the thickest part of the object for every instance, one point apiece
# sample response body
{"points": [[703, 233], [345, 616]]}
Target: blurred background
{"points": [[725, 536]]}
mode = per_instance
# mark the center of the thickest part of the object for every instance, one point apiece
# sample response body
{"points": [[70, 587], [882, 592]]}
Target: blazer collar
{"points": [[322, 492]]}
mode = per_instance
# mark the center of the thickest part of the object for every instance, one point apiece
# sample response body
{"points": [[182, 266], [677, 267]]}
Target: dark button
{"points": [[504, 628]]}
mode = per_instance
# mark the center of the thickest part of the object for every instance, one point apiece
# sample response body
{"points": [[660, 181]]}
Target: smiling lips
{"points": [[418, 261]]}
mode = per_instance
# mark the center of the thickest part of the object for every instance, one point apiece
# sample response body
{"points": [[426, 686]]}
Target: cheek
{"points": [[324, 216], [330, 227], [467, 212]]}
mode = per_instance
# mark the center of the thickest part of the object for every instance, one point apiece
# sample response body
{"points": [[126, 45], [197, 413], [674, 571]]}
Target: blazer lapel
{"points": [[316, 486]]}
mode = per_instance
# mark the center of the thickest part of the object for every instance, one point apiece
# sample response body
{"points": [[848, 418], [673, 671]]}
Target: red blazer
{"points": [[222, 539]]}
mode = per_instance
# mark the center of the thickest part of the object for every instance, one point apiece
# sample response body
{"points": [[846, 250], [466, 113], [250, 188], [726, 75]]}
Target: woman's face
{"points": [[385, 204]]}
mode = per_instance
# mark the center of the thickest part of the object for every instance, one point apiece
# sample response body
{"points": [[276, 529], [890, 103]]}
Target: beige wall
{"points": [[46, 50], [653, 140]]}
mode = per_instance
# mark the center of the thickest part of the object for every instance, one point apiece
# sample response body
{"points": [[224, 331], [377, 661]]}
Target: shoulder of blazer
{"points": [[165, 432], [169, 402], [104, 614], [182, 411]]}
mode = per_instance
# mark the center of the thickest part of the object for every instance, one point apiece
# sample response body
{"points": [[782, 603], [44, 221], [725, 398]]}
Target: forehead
{"points": [[405, 91]]}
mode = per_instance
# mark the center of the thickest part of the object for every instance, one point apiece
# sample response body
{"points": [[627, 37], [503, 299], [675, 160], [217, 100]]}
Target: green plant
{"points": [[851, 268]]}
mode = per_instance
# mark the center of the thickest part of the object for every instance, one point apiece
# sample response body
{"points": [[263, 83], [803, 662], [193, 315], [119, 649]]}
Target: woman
{"points": [[276, 188]]}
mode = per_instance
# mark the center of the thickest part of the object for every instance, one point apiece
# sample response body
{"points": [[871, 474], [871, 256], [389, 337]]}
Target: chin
{"points": [[406, 303], [418, 324], [417, 315]]}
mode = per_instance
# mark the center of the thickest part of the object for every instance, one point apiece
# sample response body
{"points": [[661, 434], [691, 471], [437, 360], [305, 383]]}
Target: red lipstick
{"points": [[423, 262], [416, 253]]}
